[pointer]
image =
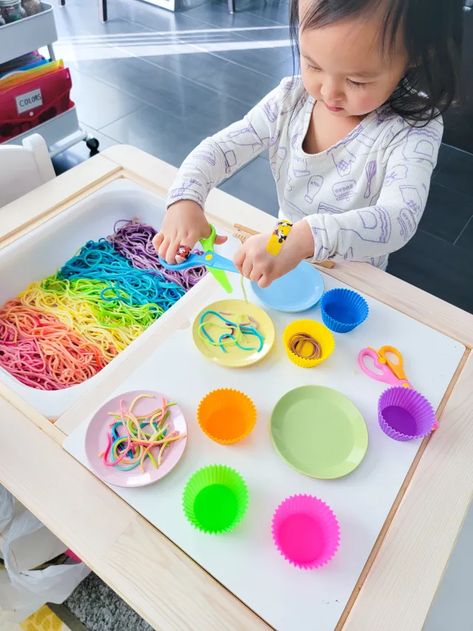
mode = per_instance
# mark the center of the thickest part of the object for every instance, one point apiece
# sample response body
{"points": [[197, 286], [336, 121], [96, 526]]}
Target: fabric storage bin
{"points": [[29, 104]]}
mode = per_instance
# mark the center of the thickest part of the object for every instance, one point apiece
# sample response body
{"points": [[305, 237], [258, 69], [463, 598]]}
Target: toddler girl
{"points": [[352, 141]]}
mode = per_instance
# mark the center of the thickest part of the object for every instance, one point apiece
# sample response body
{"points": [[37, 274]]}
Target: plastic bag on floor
{"points": [[7, 508], [33, 549], [33, 587]]}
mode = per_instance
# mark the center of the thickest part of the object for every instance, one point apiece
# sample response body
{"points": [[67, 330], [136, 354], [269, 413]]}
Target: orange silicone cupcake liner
{"points": [[226, 415]]}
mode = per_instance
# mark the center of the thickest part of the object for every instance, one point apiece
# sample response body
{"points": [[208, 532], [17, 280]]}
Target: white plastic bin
{"points": [[43, 250]]}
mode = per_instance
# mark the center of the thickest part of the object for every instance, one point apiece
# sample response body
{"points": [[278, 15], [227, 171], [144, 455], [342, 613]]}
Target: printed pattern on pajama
{"points": [[363, 197]]}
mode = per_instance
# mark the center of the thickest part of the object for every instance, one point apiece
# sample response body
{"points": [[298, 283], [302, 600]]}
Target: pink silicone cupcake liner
{"points": [[405, 414], [305, 531]]}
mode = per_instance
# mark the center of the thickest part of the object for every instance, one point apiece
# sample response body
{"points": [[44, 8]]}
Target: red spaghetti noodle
{"points": [[42, 352]]}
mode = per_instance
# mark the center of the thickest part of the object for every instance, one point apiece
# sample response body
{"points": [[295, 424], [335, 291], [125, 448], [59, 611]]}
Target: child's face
{"points": [[343, 65]]}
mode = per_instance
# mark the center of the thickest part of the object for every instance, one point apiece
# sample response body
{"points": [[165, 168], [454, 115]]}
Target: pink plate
{"points": [[96, 441]]}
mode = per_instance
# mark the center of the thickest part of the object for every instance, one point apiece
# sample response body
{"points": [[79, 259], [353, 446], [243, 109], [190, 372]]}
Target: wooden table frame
{"points": [[162, 583]]}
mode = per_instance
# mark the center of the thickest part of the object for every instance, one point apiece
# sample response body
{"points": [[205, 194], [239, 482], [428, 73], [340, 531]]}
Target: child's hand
{"points": [[255, 263], [184, 224]]}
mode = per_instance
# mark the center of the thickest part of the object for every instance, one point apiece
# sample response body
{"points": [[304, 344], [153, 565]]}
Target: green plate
{"points": [[319, 432]]}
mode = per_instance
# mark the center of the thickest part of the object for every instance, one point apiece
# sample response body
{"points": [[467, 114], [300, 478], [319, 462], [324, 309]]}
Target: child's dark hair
{"points": [[432, 37]]}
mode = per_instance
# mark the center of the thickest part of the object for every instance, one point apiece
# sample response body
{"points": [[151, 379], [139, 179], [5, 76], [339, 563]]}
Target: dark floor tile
{"points": [[255, 185], [215, 12], [99, 104], [275, 10], [269, 60], [184, 53], [151, 130], [459, 118], [459, 127], [455, 169], [85, 40], [277, 32], [465, 239], [105, 141], [268, 51], [153, 17], [79, 18], [76, 24], [211, 38], [84, 52], [170, 137], [160, 88], [222, 76], [77, 14], [205, 39], [216, 41], [220, 113], [79, 152], [286, 69], [446, 213], [437, 267]]}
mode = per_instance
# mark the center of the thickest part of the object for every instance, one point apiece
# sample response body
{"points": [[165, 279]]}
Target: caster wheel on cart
{"points": [[93, 145]]}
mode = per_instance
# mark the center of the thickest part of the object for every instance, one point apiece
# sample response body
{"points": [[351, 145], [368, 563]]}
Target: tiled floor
{"points": [[440, 256], [459, 119], [163, 81]]}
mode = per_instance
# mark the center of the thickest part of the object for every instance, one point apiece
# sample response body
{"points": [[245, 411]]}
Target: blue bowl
{"points": [[343, 310], [298, 290]]}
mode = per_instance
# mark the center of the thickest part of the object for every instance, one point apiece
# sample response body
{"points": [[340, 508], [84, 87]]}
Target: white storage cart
{"points": [[26, 35]]}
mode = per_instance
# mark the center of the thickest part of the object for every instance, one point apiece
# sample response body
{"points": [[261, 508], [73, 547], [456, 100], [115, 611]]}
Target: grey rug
{"points": [[100, 609]]}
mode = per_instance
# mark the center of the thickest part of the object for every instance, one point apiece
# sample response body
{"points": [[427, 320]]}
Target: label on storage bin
{"points": [[28, 101]]}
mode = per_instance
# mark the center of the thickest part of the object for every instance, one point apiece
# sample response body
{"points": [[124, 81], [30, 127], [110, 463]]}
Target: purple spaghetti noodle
{"points": [[133, 240]]}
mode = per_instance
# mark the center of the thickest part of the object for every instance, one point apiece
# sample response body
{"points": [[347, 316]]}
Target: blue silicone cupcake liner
{"points": [[343, 310]]}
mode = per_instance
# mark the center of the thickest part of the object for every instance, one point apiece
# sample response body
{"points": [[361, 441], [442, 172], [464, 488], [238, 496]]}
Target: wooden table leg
{"points": [[231, 6]]}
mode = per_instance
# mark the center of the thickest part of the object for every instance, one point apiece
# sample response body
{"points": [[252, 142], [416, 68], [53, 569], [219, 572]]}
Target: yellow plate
{"points": [[235, 357]]}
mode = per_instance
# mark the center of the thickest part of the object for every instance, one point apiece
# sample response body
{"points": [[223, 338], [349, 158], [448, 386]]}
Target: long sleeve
{"points": [[372, 232], [220, 156]]}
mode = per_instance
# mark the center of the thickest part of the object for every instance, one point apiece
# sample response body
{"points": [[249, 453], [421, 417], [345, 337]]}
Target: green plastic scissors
{"points": [[209, 246]]}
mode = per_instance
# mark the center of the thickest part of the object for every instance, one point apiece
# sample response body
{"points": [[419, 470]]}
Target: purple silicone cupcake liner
{"points": [[343, 309], [405, 414]]}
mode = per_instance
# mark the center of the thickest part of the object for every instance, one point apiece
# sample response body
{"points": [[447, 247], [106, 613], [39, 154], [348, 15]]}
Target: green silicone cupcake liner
{"points": [[215, 499]]}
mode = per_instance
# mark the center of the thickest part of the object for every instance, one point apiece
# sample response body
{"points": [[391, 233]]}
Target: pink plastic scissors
{"points": [[384, 367]]}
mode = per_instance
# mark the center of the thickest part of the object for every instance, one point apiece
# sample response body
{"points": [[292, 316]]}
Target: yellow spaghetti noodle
{"points": [[110, 325]]}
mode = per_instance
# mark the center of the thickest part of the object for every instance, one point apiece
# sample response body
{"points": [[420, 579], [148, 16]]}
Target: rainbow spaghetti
{"points": [[42, 352], [64, 329], [134, 439]]}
